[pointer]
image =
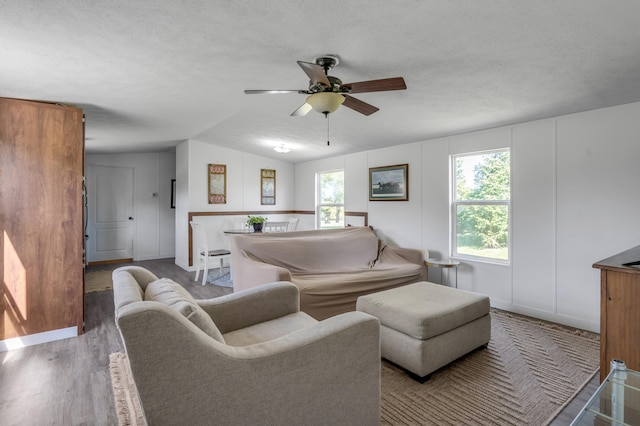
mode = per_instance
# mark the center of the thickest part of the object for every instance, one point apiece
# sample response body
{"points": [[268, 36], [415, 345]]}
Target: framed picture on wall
{"points": [[390, 183], [217, 184], [267, 187]]}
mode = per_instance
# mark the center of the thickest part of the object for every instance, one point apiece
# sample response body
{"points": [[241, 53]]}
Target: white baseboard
{"points": [[184, 265], [152, 257], [38, 338], [213, 265], [549, 316]]}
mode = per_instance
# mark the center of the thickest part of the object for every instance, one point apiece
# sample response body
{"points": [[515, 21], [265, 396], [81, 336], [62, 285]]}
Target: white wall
{"points": [[153, 233], [575, 200], [598, 196], [398, 222], [182, 205], [243, 191], [305, 188], [533, 206]]}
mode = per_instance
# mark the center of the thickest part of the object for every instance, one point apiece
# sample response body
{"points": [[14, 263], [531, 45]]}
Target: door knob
{"points": [[130, 218]]}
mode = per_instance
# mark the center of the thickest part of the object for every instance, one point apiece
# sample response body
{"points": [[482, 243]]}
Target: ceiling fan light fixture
{"points": [[325, 102], [281, 149]]}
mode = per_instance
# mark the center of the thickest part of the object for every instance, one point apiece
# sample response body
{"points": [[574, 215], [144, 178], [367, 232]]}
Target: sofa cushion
{"points": [[269, 330], [172, 294], [326, 295]]}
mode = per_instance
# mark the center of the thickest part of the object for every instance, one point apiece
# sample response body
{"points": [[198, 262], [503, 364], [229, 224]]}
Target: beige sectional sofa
{"points": [[247, 358], [332, 268]]}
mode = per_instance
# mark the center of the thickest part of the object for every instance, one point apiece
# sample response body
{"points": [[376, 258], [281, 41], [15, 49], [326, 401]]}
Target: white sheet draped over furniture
{"points": [[330, 267]]}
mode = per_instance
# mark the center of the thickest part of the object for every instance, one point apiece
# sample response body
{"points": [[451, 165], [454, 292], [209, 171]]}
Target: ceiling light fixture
{"points": [[325, 102], [281, 149]]}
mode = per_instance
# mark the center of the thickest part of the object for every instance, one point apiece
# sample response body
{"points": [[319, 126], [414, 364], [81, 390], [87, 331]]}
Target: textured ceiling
{"points": [[150, 74]]}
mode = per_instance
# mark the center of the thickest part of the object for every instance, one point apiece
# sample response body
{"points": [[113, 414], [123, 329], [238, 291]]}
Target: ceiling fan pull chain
{"points": [[326, 114]]}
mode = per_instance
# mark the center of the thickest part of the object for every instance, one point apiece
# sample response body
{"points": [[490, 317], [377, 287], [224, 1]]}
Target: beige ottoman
{"points": [[425, 326]]}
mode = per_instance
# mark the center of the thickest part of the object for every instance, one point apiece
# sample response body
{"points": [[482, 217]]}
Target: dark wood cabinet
{"points": [[619, 310], [41, 218]]}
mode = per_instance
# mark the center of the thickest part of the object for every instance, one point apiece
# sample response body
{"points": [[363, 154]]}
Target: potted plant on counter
{"points": [[256, 222]]}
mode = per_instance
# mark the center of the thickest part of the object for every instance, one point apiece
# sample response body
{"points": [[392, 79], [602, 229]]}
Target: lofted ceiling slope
{"points": [[150, 74]]}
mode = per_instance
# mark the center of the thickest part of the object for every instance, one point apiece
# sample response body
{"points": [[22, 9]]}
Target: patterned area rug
{"points": [[213, 277], [529, 372], [101, 280], [97, 281], [125, 394]]}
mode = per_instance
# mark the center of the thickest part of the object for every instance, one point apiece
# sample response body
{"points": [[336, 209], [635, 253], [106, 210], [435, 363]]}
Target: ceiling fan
{"points": [[327, 93]]}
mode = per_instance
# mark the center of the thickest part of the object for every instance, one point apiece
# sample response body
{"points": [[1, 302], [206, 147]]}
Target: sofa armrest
{"points": [[335, 327], [393, 254], [330, 371], [337, 359], [141, 275], [252, 306], [248, 273], [411, 255]]}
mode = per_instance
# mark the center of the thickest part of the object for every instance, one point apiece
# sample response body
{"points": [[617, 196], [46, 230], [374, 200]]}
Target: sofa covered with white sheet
{"points": [[331, 268]]}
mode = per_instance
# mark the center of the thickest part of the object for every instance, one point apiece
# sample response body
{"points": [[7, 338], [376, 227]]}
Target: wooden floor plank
{"points": [[67, 382]]}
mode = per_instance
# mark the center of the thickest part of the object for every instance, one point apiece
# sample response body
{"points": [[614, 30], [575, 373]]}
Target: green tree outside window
{"points": [[481, 204], [330, 205]]}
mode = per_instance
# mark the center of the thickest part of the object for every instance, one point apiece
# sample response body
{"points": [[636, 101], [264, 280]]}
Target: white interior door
{"points": [[110, 224]]}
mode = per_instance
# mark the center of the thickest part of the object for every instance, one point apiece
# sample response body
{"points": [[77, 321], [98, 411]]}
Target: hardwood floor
{"points": [[566, 416], [67, 382]]}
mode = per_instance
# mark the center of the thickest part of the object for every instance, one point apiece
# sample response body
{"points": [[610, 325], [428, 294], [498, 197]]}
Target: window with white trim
{"points": [[330, 199], [481, 205]]}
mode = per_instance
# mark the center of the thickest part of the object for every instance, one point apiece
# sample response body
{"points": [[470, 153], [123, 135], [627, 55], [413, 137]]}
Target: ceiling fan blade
{"points": [[358, 105], [315, 73], [395, 83], [258, 92], [303, 110]]}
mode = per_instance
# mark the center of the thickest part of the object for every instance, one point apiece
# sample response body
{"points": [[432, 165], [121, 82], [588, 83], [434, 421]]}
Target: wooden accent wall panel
{"points": [[41, 218]]}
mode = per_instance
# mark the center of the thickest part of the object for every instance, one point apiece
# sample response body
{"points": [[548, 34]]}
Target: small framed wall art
{"points": [[267, 187], [217, 184], [390, 183]]}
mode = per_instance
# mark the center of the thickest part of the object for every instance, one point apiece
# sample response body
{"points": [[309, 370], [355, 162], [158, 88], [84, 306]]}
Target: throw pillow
{"points": [[175, 296]]}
